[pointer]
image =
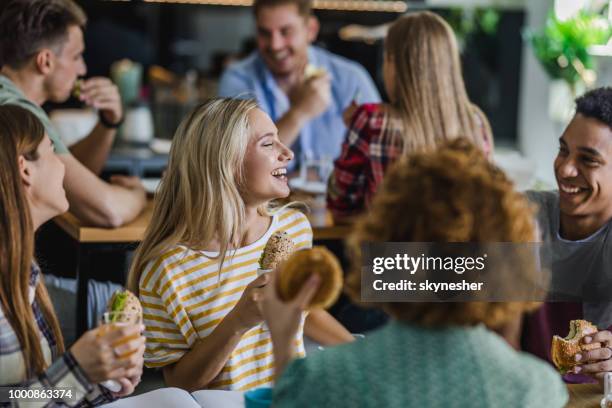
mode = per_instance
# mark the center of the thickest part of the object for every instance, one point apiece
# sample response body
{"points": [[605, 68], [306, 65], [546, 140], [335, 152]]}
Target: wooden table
{"points": [[584, 395], [134, 231], [93, 239]]}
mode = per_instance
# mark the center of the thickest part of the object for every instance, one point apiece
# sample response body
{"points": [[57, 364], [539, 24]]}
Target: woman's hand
{"points": [[128, 385], [283, 318], [247, 312], [599, 361], [347, 115], [107, 355]]}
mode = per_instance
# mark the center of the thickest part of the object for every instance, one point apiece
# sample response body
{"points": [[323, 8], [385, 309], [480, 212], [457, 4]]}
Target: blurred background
{"points": [[524, 61]]}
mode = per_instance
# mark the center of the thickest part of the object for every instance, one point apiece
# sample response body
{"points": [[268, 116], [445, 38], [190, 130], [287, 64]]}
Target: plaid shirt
{"points": [[64, 372], [367, 151]]}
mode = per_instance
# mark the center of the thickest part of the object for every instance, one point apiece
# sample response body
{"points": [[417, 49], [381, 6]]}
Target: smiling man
{"points": [[303, 88], [41, 57], [576, 222]]}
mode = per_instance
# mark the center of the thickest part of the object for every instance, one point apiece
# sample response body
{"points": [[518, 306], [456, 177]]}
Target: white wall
{"points": [[236, 24], [537, 138], [537, 133]]}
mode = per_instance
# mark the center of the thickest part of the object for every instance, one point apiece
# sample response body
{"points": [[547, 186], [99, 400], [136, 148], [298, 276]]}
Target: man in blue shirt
{"points": [[303, 88]]}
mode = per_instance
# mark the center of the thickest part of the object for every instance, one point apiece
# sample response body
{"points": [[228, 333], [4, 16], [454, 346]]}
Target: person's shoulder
{"points": [[301, 385], [9, 98], [244, 66], [542, 197], [321, 379], [545, 201], [163, 267], [371, 110], [528, 380], [368, 118], [295, 223], [534, 382], [240, 79], [291, 217]]}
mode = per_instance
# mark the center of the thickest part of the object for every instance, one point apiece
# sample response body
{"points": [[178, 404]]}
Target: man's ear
{"points": [[313, 27], [25, 171], [44, 61]]}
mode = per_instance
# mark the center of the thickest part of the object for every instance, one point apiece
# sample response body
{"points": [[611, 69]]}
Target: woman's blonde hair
{"points": [[199, 199], [453, 194], [20, 134], [430, 101]]}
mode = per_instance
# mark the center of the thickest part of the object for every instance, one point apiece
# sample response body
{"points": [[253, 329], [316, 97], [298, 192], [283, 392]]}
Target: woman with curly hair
{"points": [[430, 354]]}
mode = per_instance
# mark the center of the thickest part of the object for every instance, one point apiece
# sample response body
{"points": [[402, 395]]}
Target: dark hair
{"points": [[26, 26], [304, 6], [596, 104]]}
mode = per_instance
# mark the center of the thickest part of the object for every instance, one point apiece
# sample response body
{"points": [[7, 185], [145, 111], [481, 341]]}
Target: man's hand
{"points": [[100, 93], [131, 183], [599, 361], [312, 97]]}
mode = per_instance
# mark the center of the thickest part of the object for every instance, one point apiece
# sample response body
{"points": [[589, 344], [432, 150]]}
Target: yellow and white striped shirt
{"points": [[184, 299]]}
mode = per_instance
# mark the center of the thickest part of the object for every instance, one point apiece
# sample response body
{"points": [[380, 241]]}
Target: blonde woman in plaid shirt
{"points": [[32, 352], [429, 104]]}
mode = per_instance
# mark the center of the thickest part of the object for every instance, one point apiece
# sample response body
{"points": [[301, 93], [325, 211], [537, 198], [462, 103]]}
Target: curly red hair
{"points": [[453, 194]]}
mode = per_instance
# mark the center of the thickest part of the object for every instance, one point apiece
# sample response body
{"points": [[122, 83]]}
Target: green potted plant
{"points": [[562, 47]]}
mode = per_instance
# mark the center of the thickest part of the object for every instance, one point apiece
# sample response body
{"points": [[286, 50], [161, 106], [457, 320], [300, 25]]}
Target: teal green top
{"points": [[11, 95], [404, 365]]}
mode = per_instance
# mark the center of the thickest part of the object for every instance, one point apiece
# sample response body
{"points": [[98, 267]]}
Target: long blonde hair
{"points": [[199, 199], [430, 99], [20, 134]]}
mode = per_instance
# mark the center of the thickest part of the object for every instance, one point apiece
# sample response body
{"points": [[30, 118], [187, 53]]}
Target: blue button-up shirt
{"points": [[321, 137]]}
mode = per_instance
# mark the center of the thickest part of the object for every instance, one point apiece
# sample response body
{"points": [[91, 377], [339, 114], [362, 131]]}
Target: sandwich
{"points": [[76, 88], [126, 302], [278, 248], [296, 270], [312, 71], [564, 350]]}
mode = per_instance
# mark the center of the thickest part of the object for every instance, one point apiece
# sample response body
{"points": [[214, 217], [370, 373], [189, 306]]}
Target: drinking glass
{"points": [[108, 323]]}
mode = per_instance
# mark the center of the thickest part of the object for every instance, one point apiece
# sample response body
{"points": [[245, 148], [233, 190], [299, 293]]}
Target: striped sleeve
{"points": [[168, 329], [296, 224]]}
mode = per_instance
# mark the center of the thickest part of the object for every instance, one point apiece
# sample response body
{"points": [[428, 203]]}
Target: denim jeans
{"points": [[62, 292]]}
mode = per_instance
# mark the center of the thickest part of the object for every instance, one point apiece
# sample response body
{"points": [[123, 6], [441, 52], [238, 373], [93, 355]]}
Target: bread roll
{"points": [[565, 349], [278, 248], [312, 71], [125, 301], [296, 270]]}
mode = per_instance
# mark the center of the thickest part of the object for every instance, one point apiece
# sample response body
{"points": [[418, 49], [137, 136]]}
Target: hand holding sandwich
{"points": [[283, 318], [585, 350], [101, 359], [312, 96], [598, 361], [112, 354], [247, 312], [102, 94]]}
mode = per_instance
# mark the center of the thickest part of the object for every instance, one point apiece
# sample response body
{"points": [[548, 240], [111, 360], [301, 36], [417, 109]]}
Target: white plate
{"points": [[161, 146], [313, 187], [150, 184]]}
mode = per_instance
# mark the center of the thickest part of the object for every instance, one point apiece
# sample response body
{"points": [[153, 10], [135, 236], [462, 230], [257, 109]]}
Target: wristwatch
{"points": [[108, 124]]}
